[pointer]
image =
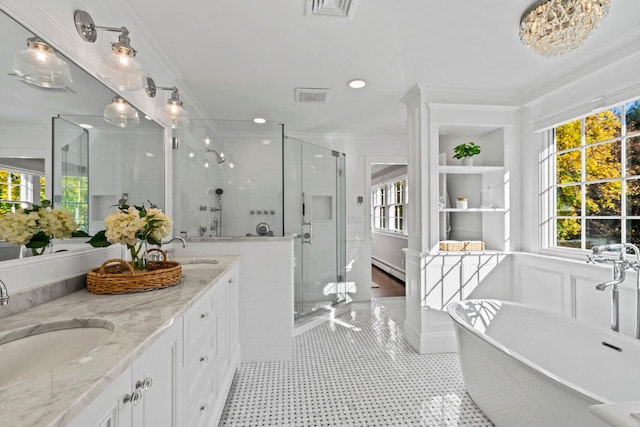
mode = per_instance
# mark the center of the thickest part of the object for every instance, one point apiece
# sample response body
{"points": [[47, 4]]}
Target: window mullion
{"points": [[583, 184]]}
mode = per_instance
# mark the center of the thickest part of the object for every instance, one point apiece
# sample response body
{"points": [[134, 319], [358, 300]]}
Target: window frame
{"points": [[387, 203], [549, 184]]}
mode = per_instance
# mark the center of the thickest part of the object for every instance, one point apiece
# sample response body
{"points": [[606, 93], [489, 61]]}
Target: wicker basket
{"points": [[117, 276], [455, 245]]}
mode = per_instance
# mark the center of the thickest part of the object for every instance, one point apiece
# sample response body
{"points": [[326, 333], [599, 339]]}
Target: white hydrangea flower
{"points": [[161, 228], [123, 226], [19, 227]]}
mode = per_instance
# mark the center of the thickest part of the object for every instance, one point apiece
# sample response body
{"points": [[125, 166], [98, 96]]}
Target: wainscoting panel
{"points": [[541, 288]]}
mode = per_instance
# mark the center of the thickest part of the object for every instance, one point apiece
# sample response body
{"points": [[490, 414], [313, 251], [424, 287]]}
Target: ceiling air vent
{"points": [[303, 94], [331, 8]]}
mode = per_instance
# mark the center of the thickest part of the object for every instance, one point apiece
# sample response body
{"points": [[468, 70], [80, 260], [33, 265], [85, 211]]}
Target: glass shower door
{"points": [[71, 170], [314, 189]]}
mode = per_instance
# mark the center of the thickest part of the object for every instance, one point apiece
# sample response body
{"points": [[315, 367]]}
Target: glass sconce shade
{"points": [[121, 70], [174, 115], [120, 113], [39, 65]]}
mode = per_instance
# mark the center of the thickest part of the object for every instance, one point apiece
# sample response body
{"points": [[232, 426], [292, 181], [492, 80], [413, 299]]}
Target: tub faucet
{"points": [[618, 277], [620, 265], [4, 294]]}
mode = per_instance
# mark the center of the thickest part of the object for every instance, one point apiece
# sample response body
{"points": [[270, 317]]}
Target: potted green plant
{"points": [[465, 152]]}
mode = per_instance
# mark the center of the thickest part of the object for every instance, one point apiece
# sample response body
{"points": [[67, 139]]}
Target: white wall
{"points": [[387, 254], [253, 184]]}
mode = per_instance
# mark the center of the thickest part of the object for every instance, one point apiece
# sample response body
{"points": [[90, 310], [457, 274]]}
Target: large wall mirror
{"points": [[56, 144]]}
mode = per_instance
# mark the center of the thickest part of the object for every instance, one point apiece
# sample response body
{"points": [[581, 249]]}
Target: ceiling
{"points": [[243, 58]]}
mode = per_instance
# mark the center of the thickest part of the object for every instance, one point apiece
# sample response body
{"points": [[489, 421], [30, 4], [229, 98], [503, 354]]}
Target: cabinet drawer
{"points": [[197, 323], [201, 407], [200, 363]]}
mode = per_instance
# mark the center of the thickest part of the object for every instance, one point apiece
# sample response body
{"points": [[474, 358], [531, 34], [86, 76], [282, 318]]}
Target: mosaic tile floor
{"points": [[354, 371]]}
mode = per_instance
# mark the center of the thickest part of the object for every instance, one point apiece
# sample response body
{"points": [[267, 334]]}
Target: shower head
{"points": [[219, 191], [219, 157]]}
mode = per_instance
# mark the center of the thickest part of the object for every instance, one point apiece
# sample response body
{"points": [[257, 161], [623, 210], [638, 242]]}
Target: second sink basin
{"points": [[36, 349]]}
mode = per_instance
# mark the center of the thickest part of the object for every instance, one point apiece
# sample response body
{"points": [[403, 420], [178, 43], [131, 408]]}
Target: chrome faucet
{"points": [[619, 267], [4, 294], [184, 242]]}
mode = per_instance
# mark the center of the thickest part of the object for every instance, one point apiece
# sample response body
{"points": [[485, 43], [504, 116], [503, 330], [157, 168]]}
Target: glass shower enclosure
{"points": [[238, 179], [314, 183]]}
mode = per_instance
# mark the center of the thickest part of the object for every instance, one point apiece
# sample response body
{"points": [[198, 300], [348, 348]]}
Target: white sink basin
{"points": [[200, 263], [36, 349]]}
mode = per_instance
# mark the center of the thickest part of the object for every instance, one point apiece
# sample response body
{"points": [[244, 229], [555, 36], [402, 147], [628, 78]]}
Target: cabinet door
{"points": [[110, 408], [155, 372]]}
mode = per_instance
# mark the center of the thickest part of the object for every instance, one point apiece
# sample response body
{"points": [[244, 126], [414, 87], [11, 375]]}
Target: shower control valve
{"points": [[273, 212], [252, 212], [259, 212]]}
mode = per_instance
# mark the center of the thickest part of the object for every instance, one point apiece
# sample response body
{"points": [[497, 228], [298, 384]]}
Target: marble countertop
{"points": [[56, 397]]}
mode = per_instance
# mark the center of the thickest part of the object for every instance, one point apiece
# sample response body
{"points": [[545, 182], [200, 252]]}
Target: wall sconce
{"points": [[39, 65], [172, 113], [120, 113], [119, 68]]}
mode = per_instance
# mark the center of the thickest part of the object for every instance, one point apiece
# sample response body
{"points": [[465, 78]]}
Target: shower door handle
{"points": [[306, 237]]}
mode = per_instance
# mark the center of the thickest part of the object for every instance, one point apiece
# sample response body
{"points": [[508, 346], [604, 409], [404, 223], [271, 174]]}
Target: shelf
{"points": [[468, 170], [473, 210]]}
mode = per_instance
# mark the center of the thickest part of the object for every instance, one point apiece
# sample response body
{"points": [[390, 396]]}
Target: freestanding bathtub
{"points": [[527, 367]]}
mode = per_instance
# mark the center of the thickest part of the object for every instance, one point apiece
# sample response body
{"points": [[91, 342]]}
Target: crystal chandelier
{"points": [[555, 27]]}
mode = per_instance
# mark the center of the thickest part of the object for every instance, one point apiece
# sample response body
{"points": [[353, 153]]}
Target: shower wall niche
{"points": [[227, 179]]}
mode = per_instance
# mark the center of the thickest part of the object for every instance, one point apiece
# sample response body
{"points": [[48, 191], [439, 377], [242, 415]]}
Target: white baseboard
{"points": [[390, 269]]}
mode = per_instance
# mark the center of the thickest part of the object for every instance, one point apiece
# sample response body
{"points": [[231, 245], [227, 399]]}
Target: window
{"points": [[388, 206], [75, 193], [17, 188], [596, 184]]}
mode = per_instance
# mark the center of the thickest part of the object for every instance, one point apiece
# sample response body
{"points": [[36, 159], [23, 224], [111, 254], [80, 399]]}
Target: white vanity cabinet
{"points": [[145, 393], [184, 377], [211, 351]]}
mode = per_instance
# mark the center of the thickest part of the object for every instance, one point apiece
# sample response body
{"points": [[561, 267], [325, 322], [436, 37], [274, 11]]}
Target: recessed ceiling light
{"points": [[85, 126], [149, 154], [259, 120], [357, 84], [207, 141], [266, 141]]}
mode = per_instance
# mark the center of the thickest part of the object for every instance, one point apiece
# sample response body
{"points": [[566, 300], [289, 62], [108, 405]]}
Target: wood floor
{"points": [[389, 285]]}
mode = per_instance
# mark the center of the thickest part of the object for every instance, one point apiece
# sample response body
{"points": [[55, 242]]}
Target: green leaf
{"points": [[39, 240], [79, 233], [99, 240]]}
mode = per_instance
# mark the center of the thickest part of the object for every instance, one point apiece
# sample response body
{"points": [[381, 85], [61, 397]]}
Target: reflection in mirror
{"points": [[93, 166]]}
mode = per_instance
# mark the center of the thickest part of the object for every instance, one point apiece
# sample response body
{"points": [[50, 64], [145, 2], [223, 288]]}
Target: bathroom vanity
{"points": [[169, 361]]}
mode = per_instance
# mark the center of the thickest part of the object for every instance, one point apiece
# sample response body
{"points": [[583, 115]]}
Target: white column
{"points": [[426, 330]]}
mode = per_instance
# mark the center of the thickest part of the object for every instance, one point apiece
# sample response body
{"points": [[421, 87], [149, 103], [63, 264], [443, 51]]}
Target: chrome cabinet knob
{"points": [[204, 315], [231, 281], [204, 408], [204, 359], [144, 384], [133, 398]]}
